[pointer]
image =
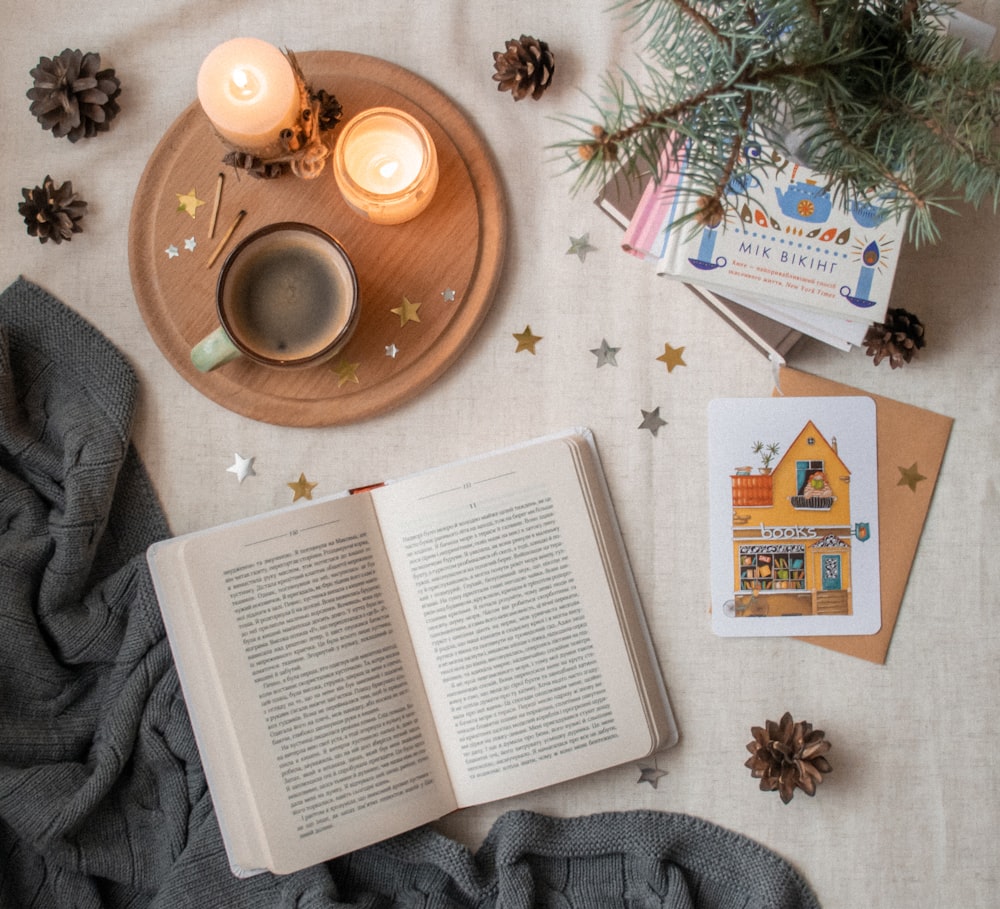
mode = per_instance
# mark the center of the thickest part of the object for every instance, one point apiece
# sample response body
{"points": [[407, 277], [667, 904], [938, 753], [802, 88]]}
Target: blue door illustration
{"points": [[831, 572]]}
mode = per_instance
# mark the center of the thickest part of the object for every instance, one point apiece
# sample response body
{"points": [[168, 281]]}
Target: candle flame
{"points": [[388, 169], [243, 84], [871, 254]]}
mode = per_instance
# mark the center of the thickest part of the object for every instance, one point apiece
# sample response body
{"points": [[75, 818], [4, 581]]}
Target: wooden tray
{"points": [[445, 262]]}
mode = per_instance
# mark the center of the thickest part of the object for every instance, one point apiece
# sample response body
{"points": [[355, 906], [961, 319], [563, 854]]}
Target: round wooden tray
{"points": [[440, 268]]}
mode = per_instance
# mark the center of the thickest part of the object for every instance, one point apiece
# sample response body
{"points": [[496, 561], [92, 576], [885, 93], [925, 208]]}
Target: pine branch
{"points": [[712, 209], [883, 98], [900, 187]]}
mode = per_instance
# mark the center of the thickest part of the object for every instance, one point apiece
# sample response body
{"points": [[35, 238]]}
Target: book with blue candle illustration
{"points": [[785, 240]]}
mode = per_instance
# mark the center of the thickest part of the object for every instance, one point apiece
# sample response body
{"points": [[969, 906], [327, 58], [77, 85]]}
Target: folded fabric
{"points": [[103, 803]]}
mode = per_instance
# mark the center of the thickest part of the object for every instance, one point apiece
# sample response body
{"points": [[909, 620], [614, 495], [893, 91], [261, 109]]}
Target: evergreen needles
{"points": [[873, 93]]}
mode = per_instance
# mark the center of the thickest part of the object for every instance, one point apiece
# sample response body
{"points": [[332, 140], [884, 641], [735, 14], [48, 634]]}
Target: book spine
{"points": [[657, 210]]}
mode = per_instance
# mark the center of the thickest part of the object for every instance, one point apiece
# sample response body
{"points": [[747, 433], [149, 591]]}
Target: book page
{"points": [[515, 621], [316, 678]]}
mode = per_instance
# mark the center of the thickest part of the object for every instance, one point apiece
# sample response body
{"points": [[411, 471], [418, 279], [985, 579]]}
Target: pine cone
{"points": [[524, 68], [329, 109], [72, 96], [711, 211], [602, 145], [51, 212], [898, 338], [786, 756]]}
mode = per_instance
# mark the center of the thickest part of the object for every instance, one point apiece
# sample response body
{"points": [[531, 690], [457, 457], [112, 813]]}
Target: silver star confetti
{"points": [[605, 354], [652, 421], [242, 467], [190, 243], [449, 295], [580, 246], [650, 774], [171, 251], [391, 350]]}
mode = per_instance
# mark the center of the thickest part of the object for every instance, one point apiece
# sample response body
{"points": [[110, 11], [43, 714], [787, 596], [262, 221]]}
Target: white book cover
{"points": [[786, 239]]}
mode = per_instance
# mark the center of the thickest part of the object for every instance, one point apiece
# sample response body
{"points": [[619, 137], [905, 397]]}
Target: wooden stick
{"points": [[225, 239], [215, 206]]}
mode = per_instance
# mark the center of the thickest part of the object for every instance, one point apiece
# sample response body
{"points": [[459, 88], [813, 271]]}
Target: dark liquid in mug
{"points": [[288, 296]]}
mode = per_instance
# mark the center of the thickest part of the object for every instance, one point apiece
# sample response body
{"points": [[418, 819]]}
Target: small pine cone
{"points": [[898, 338], [329, 110], [524, 68], [711, 212], [52, 212], [786, 756], [603, 145], [72, 96]]}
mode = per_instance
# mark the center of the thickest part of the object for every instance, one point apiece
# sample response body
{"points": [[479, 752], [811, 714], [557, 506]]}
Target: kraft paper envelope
{"points": [[902, 510]]}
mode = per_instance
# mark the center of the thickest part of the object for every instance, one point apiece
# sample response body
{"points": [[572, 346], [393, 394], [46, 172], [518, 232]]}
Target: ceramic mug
{"points": [[287, 296]]}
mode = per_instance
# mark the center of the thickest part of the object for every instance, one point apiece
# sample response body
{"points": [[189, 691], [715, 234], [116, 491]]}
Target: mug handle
{"points": [[213, 351]]}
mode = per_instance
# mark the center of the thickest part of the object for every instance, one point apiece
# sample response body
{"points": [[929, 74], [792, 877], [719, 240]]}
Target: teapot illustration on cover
{"points": [[805, 201]]}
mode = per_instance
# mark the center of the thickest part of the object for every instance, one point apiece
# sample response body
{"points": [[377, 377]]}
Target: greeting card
{"points": [[793, 500]]}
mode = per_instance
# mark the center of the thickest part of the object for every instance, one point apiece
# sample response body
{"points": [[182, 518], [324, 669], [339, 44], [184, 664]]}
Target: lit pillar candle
{"points": [[248, 90], [385, 165]]}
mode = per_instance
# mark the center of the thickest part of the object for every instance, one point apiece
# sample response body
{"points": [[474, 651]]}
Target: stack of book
{"points": [[789, 259]]}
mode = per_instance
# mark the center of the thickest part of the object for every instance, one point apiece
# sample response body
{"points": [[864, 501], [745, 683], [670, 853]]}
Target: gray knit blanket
{"points": [[103, 803]]}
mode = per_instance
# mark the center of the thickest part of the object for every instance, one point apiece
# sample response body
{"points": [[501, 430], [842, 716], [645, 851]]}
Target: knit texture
{"points": [[103, 803]]}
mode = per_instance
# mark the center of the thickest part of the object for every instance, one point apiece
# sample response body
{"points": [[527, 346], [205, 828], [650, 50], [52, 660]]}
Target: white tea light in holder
{"points": [[249, 92], [385, 165]]}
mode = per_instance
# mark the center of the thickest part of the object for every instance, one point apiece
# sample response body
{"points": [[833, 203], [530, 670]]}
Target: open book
{"points": [[359, 665]]}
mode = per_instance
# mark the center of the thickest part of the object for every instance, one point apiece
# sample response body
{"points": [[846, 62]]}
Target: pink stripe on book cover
{"points": [[645, 234]]}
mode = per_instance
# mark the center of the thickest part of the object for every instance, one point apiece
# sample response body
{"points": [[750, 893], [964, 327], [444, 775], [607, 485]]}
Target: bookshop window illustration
{"points": [[812, 488], [772, 567]]}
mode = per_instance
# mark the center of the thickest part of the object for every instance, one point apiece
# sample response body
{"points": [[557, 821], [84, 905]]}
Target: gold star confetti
{"points": [[652, 420], [346, 372], [242, 467], [580, 246], [188, 202], [526, 340], [302, 488], [407, 312], [909, 476], [672, 356]]}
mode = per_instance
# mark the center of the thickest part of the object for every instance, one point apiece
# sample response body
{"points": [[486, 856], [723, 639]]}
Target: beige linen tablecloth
{"points": [[909, 814]]}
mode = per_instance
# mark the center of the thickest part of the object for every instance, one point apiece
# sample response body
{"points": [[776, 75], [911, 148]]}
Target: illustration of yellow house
{"points": [[792, 532]]}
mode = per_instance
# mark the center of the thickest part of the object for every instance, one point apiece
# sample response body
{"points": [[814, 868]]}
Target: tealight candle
{"points": [[385, 165], [249, 92]]}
